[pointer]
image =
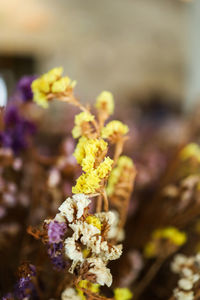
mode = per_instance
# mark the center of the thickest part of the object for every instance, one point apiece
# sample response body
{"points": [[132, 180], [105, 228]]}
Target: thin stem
{"points": [[99, 204], [148, 277], [106, 204]]}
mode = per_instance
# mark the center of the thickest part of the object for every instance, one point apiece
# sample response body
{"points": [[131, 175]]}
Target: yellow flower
{"points": [[94, 221], [191, 150], [105, 102], [123, 162], [87, 183], [87, 150], [114, 127], [51, 82], [122, 294], [174, 235], [105, 167], [85, 284], [79, 120], [79, 152], [60, 85], [52, 75]]}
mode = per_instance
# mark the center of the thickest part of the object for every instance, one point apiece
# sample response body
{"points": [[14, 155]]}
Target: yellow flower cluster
{"points": [[114, 128], [122, 294], [123, 162], [105, 102], [85, 284], [171, 234], [86, 153], [94, 221], [51, 82], [189, 151], [80, 119]]}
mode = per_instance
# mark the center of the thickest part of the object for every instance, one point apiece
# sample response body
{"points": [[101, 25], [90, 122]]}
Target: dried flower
{"points": [[105, 102], [56, 231], [51, 82], [114, 130], [82, 125]]}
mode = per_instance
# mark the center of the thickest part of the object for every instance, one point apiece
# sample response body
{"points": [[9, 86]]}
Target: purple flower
{"points": [[24, 87], [56, 231], [17, 130], [25, 287], [55, 252]]}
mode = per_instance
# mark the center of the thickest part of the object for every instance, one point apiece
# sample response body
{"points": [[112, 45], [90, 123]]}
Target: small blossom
{"points": [[105, 102], [51, 82], [81, 120], [114, 129], [56, 231]]}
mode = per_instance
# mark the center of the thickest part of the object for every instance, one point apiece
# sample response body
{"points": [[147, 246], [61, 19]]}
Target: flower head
{"points": [[105, 102], [50, 83], [82, 124], [56, 231], [113, 130]]}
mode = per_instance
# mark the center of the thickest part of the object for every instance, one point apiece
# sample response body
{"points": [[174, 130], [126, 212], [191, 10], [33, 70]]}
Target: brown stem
{"points": [[118, 149], [99, 204], [106, 204], [148, 277]]}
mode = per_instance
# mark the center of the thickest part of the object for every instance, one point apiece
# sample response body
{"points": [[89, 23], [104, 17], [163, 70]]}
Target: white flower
{"points": [[179, 295], [72, 252], [108, 217], [98, 268], [84, 230], [59, 218], [178, 262], [81, 201], [67, 209], [113, 253], [185, 284], [76, 204], [70, 294]]}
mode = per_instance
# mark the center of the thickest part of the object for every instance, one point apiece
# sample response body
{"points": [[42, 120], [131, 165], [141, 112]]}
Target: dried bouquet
{"points": [[64, 214]]}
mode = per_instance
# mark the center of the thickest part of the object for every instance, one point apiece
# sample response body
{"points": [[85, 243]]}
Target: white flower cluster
{"points": [[70, 294], [72, 208], [88, 236], [189, 270]]}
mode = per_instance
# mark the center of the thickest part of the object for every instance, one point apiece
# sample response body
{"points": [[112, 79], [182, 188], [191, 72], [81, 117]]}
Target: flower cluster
{"points": [[89, 245], [160, 237], [188, 268], [51, 83], [25, 287]]}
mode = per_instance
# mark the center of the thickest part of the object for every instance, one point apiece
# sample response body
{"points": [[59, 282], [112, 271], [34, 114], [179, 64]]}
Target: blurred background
{"points": [[134, 48]]}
